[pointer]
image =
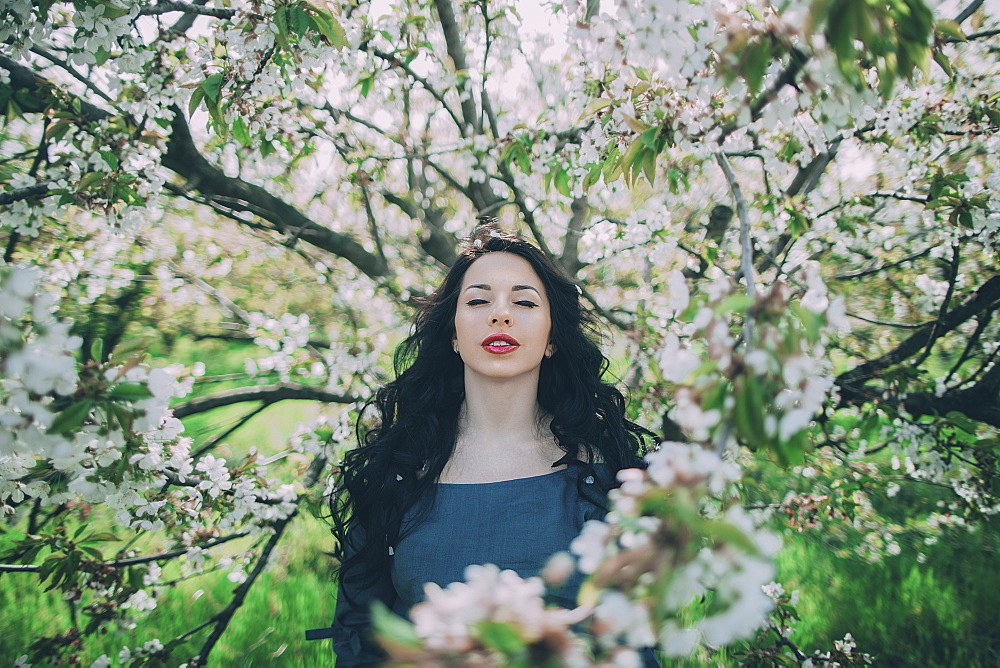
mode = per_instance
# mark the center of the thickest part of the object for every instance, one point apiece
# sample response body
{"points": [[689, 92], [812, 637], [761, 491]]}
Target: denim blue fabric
{"points": [[515, 524]]}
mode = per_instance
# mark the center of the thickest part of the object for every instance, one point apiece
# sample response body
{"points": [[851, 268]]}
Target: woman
{"points": [[494, 444]]}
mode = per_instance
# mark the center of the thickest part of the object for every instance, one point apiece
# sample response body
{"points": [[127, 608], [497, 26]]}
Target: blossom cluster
{"points": [[766, 391], [648, 566], [452, 621]]}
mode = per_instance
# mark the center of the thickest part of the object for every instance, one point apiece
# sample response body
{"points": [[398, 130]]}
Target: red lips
{"points": [[500, 344]]}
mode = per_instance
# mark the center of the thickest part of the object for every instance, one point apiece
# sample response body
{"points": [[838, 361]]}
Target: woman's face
{"points": [[502, 320]]}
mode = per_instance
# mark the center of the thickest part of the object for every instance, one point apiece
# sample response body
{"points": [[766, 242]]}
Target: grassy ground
{"points": [[941, 612], [296, 593]]}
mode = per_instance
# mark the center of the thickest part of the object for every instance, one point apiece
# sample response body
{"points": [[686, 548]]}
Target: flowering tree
{"points": [[785, 214]]}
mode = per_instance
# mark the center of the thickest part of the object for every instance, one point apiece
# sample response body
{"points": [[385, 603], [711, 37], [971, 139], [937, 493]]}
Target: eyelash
{"points": [[523, 302]]}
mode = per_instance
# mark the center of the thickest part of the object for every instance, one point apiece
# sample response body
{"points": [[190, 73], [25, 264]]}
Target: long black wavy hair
{"points": [[404, 449]]}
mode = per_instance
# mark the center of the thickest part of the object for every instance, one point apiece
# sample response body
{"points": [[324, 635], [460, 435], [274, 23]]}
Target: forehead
{"points": [[501, 270]]}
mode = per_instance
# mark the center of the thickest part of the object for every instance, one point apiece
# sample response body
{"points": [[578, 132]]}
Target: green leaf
{"points": [[649, 139], [196, 97], [97, 350], [562, 183], [281, 21], [366, 83], [218, 122], [649, 165], [392, 628], [93, 552], [331, 29], [57, 130], [71, 417], [592, 177], [504, 638], [212, 86], [631, 157], [749, 415], [101, 56], [756, 58], [594, 106], [130, 392], [298, 21], [240, 131], [110, 158], [89, 179], [111, 10], [612, 168], [950, 29], [640, 88]]}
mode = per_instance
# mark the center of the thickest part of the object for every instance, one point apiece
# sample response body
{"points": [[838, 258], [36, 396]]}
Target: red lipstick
{"points": [[500, 344]]}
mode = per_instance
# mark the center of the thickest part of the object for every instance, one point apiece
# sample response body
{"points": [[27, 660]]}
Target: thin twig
{"points": [[212, 292], [746, 242], [120, 563], [76, 75], [222, 619], [876, 270], [211, 445], [883, 323]]}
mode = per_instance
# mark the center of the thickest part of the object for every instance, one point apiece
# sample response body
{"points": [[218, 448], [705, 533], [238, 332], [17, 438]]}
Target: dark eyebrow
{"points": [[516, 288]]}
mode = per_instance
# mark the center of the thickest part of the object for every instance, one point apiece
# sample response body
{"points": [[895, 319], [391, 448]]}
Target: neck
{"points": [[501, 412]]}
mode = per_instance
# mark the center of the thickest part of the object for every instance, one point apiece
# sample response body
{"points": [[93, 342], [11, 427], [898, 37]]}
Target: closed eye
{"points": [[476, 302], [525, 302]]}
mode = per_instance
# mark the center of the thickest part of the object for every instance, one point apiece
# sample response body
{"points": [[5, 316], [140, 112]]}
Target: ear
{"points": [[550, 350], [454, 345]]}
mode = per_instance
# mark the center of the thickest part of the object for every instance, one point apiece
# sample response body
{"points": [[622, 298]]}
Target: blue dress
{"points": [[515, 524]]}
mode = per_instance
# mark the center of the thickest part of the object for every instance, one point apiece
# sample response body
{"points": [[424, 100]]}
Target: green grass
{"points": [[296, 593], [942, 612]]}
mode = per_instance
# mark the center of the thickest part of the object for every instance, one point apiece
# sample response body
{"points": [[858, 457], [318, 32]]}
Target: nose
{"points": [[500, 315]]}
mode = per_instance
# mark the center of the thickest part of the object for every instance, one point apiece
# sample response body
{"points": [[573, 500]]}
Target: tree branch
{"points": [[184, 158], [787, 77], [967, 352], [164, 7], [456, 51], [746, 243], [438, 243], [269, 394], [210, 291], [72, 71], [983, 299], [968, 11], [222, 619], [876, 270], [211, 445], [27, 192], [570, 258], [423, 81], [133, 561], [945, 303], [24, 78]]}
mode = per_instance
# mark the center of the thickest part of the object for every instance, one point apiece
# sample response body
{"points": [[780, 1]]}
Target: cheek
{"points": [[460, 328]]}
